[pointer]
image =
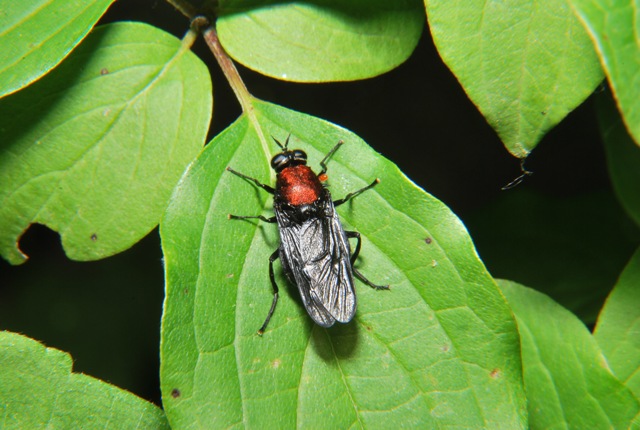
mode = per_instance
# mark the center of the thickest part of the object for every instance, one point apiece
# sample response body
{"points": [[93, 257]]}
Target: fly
{"points": [[314, 248]]}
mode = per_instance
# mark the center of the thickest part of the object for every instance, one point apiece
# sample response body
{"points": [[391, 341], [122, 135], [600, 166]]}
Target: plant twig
{"points": [[233, 77], [228, 68], [200, 23]]}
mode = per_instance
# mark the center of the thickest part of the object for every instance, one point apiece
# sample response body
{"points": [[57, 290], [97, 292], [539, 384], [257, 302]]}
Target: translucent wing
{"points": [[316, 255]]}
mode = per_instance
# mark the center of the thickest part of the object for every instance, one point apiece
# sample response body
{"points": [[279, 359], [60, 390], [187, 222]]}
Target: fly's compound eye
{"points": [[299, 156], [288, 158], [279, 161]]}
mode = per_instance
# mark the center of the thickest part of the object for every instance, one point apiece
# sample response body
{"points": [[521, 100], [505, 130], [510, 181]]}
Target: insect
{"points": [[314, 248]]}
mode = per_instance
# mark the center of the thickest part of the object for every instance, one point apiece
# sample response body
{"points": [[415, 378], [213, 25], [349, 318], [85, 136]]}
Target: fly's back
{"points": [[298, 185]]}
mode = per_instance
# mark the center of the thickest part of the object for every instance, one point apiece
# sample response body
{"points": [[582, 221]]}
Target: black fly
{"points": [[314, 248]]}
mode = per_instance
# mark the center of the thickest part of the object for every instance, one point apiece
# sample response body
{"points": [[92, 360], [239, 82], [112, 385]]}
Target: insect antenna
{"points": [[278, 143], [286, 142]]}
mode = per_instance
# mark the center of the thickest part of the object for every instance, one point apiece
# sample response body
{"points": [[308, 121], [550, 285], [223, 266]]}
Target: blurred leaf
{"points": [[94, 149], [320, 40], [571, 248], [623, 156], [38, 390], [438, 349], [36, 35], [614, 28], [618, 329], [566, 377], [524, 64]]}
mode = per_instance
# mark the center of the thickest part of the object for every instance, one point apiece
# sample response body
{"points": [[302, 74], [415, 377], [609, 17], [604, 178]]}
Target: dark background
{"points": [[107, 313]]}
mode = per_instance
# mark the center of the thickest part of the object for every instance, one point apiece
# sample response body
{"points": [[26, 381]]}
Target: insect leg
{"points": [[260, 217], [265, 187], [356, 235], [273, 258], [326, 157], [355, 193]]}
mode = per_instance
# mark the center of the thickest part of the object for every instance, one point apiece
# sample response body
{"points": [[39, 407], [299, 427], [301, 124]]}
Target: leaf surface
{"points": [[623, 156], [618, 328], [567, 380], [94, 149], [39, 390], [525, 64], [320, 41], [36, 35], [614, 28], [438, 349]]}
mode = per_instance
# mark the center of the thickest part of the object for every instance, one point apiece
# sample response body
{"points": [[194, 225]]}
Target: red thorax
{"points": [[298, 185]]}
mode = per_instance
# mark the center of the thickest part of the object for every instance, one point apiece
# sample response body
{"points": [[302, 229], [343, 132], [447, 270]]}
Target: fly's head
{"points": [[288, 157]]}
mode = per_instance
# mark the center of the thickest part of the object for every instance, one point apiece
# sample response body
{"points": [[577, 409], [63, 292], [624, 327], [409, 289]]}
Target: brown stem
{"points": [[233, 77], [200, 23], [228, 68]]}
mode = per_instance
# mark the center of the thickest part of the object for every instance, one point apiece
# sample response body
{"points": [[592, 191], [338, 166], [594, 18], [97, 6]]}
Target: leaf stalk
{"points": [[202, 24], [230, 71]]}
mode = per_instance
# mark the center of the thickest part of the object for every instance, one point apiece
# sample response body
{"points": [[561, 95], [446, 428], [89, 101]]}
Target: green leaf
{"points": [[37, 34], [327, 40], [623, 156], [618, 329], [94, 149], [566, 377], [613, 26], [572, 248], [38, 390], [438, 349], [525, 64]]}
